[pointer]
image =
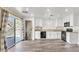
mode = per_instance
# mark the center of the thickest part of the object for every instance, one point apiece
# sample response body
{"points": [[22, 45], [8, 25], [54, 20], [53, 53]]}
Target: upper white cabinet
{"points": [[38, 22], [72, 18], [69, 18], [46, 23], [60, 22]]}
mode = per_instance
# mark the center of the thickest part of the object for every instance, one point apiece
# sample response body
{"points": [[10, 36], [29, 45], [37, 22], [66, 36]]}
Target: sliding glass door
{"points": [[10, 31], [18, 30], [14, 32]]}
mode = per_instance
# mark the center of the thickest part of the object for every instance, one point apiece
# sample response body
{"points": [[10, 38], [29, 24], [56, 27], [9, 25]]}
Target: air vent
{"points": [[25, 11], [51, 15]]}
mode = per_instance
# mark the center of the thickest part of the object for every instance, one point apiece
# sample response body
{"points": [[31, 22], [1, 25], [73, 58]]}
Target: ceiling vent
{"points": [[25, 12], [51, 15]]}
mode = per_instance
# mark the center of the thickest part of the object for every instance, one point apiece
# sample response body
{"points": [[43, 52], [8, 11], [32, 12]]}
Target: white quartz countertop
{"points": [[72, 32]]}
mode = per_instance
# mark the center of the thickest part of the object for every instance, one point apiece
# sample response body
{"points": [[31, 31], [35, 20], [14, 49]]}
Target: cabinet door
{"points": [[68, 37], [58, 35], [54, 35], [51, 35], [48, 34], [37, 35], [74, 38], [38, 22]]}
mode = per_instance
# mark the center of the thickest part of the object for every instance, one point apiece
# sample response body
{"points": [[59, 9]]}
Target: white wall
{"points": [[0, 18], [75, 19]]}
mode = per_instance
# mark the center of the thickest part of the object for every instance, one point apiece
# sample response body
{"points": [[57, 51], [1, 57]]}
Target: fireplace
{"points": [[43, 34]]}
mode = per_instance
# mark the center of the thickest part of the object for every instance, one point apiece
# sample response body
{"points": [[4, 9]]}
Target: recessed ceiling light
{"points": [[48, 9], [27, 9], [66, 10], [32, 14], [51, 15]]}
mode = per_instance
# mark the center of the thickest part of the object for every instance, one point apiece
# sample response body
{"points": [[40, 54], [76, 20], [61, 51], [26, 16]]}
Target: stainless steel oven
{"points": [[67, 24], [63, 36], [43, 34]]}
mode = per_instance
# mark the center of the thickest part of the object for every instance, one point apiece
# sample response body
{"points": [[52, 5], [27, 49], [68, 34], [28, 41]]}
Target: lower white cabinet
{"points": [[49, 35], [37, 34], [58, 35], [72, 37]]}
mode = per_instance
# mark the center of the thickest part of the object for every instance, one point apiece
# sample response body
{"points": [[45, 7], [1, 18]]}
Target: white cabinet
{"points": [[58, 35], [51, 35], [48, 35], [68, 37], [38, 22], [72, 37], [69, 18], [37, 34], [54, 35], [72, 18], [60, 22]]}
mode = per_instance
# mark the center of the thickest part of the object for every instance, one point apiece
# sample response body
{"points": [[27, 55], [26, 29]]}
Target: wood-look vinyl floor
{"points": [[43, 45]]}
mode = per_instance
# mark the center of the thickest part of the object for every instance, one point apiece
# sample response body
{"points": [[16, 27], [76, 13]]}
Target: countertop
{"points": [[73, 32], [55, 29], [49, 30]]}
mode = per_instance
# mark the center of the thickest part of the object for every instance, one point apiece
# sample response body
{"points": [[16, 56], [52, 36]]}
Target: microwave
{"points": [[67, 24]]}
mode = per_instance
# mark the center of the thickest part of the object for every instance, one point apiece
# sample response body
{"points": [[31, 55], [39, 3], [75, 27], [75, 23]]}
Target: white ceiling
{"points": [[14, 11], [47, 12]]}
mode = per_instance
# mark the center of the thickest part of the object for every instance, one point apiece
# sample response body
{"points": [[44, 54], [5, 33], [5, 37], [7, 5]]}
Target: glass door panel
{"points": [[10, 38], [19, 31]]}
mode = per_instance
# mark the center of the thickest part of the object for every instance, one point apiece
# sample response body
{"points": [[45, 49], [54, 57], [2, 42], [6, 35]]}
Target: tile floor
{"points": [[44, 45]]}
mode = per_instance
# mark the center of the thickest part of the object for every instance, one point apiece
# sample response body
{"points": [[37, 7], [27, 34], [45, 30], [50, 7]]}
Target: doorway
{"points": [[28, 31]]}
